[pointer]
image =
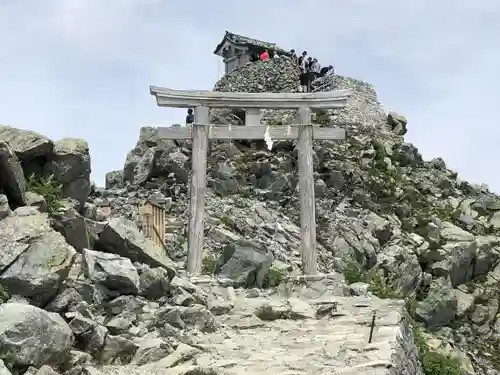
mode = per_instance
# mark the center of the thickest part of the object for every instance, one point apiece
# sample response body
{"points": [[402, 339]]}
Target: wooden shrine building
{"points": [[237, 50]]}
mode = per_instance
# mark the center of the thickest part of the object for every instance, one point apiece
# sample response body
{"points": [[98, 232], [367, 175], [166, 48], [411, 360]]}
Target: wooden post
{"points": [[307, 199], [153, 222], [197, 191]]}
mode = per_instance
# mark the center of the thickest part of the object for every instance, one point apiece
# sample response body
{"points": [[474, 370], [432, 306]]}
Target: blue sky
{"points": [[82, 68]]}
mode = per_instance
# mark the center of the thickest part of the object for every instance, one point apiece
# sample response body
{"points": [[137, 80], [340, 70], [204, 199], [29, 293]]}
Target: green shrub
{"points": [[49, 189], [353, 272], [378, 284], [208, 265], [434, 362], [274, 277]]}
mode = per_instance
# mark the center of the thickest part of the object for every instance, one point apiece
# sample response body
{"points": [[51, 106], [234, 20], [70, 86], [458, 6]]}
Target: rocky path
{"points": [[292, 335], [308, 343]]}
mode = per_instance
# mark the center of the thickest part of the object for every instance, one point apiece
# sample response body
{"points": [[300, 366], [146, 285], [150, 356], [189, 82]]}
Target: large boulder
{"points": [[151, 158], [114, 180], [12, 181], [27, 144], [33, 150], [244, 262], [72, 226], [34, 259], [121, 236], [30, 336], [71, 167], [112, 271], [439, 306]]}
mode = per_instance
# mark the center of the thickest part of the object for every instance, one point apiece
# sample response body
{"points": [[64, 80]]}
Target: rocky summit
{"points": [[408, 253]]}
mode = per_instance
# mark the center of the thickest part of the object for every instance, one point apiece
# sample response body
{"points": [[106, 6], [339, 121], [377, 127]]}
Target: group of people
{"points": [[264, 56], [310, 70]]}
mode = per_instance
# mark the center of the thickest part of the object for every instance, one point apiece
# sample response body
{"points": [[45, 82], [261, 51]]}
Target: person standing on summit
{"points": [[304, 77], [315, 68], [264, 56], [302, 62], [189, 117], [326, 70]]}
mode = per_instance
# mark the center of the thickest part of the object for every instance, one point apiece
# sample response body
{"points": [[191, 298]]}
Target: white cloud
{"points": [[83, 67]]}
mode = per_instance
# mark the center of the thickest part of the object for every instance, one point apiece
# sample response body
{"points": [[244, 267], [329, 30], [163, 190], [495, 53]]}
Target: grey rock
{"points": [[244, 262], [71, 167], [440, 306], [32, 336], [35, 259], [73, 227], [122, 237], [46, 370], [95, 339], [112, 271], [397, 123], [36, 200], [4, 207], [12, 179], [117, 350], [27, 145], [3, 369], [145, 166], [155, 282], [114, 180], [151, 350]]}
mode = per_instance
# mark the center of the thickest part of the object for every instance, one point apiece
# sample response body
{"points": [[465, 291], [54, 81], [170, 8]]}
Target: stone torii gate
{"points": [[252, 103]]}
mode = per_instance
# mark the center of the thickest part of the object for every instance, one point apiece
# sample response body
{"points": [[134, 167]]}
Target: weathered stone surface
{"points": [[34, 259], [112, 271], [12, 181], [244, 262], [114, 180], [155, 282], [27, 144], [46, 370], [254, 348], [32, 336], [440, 306], [36, 200], [122, 237], [4, 207], [71, 167], [73, 227]]}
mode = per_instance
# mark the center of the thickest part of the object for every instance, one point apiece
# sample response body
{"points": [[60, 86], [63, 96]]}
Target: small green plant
{"points": [[4, 294], [226, 220], [448, 213], [274, 277], [434, 362], [352, 272], [411, 304], [378, 284], [49, 189], [208, 265]]}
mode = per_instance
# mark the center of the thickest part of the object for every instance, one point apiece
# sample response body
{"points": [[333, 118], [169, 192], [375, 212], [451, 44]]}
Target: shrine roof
{"points": [[246, 41]]}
